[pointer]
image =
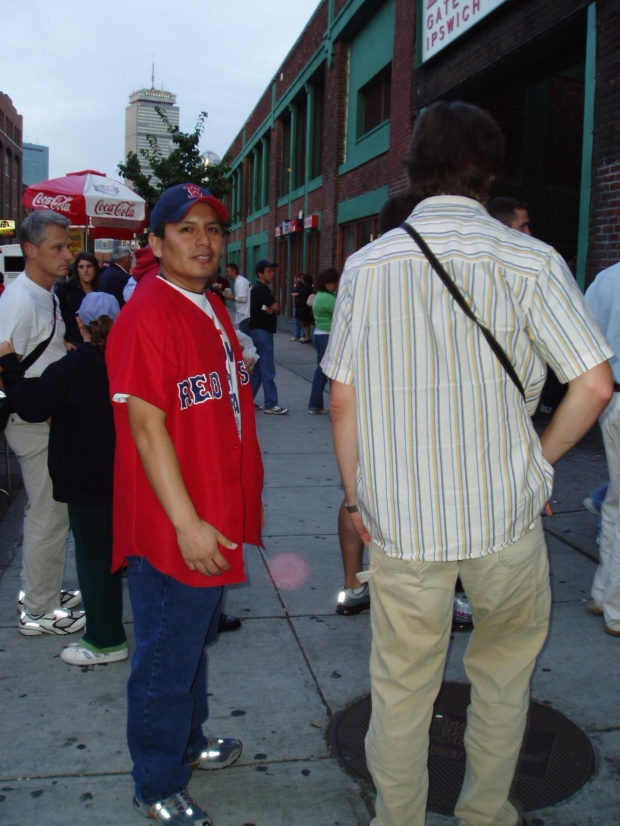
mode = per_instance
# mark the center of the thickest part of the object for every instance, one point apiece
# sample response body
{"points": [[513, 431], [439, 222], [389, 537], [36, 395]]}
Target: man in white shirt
{"points": [[29, 315], [443, 473], [603, 297], [241, 296]]}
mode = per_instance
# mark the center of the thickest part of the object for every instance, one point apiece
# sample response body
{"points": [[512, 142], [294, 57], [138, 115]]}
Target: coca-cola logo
{"points": [[59, 203], [120, 209]]}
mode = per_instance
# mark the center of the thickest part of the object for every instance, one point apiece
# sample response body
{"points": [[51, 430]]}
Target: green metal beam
{"points": [[586, 154]]}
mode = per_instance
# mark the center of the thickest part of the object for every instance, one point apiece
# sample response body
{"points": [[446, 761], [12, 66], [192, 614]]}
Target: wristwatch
{"points": [[351, 508]]}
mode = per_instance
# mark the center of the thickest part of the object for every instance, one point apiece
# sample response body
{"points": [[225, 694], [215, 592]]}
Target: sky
{"points": [[70, 68]]}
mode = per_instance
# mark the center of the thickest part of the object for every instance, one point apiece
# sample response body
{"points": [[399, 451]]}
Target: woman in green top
{"points": [[323, 309]]}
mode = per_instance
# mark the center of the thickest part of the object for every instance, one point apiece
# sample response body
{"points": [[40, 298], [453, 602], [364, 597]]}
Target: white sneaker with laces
{"points": [[179, 809], [276, 411], [76, 654], [59, 621], [219, 753]]}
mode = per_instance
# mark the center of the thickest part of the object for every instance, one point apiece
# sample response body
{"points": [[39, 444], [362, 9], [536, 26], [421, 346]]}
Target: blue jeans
{"points": [[320, 379], [265, 370], [167, 689]]}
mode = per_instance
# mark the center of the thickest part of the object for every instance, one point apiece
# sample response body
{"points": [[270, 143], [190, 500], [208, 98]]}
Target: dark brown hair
{"points": [[503, 208], [394, 211], [455, 149], [329, 276], [86, 256], [99, 330]]}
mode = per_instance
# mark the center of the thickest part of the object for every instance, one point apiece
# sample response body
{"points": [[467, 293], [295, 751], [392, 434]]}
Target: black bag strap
{"points": [[38, 351], [457, 295]]}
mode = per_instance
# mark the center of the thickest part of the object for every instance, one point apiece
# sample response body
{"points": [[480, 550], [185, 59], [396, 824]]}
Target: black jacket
{"points": [[70, 297], [113, 281], [74, 392]]}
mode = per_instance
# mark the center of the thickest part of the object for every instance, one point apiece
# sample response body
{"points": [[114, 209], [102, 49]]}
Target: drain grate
{"points": [[556, 757]]}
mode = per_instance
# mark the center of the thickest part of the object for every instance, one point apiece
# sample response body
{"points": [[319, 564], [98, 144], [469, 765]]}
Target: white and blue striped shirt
{"points": [[450, 466]]}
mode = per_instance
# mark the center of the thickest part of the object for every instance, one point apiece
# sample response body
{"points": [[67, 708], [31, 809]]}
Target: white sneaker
{"points": [[59, 621], [76, 654], [276, 411], [179, 809], [219, 753], [68, 600]]}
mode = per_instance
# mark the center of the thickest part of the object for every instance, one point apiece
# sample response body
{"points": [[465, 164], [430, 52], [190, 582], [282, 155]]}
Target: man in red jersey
{"points": [[188, 479]]}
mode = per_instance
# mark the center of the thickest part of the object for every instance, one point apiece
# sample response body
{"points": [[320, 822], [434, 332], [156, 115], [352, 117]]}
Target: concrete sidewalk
{"points": [[276, 683]]}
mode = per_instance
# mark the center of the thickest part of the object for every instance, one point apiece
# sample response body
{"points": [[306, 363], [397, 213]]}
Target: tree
{"points": [[183, 165]]}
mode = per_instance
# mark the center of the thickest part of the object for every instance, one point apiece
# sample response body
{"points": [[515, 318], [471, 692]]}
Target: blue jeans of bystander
{"points": [[265, 370]]}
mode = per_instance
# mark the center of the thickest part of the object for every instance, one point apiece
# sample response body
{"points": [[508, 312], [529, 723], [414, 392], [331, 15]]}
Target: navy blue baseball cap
{"points": [[263, 264], [174, 204]]}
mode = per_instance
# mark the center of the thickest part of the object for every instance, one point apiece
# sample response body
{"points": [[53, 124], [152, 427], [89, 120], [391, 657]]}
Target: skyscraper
{"points": [[141, 120], [36, 166]]}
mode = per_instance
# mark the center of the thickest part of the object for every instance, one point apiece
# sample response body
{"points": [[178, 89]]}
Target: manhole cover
{"points": [[556, 757]]}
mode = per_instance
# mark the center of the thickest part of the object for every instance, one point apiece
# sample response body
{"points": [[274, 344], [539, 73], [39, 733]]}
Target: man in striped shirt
{"points": [[442, 470]]}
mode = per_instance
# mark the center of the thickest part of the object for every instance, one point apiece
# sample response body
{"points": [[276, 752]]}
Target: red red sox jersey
{"points": [[165, 350]]}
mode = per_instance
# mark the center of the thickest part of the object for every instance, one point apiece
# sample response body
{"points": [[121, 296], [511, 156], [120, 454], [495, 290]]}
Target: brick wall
{"points": [[604, 247], [11, 156], [497, 59]]}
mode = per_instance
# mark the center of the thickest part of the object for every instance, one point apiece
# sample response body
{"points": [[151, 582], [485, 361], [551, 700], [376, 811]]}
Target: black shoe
{"points": [[228, 623]]}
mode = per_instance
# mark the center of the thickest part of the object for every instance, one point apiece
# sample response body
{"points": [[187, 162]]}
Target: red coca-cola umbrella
{"points": [[90, 199]]}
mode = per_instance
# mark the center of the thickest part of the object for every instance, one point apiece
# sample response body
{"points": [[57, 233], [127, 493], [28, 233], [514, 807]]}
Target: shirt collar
{"points": [[455, 204]]}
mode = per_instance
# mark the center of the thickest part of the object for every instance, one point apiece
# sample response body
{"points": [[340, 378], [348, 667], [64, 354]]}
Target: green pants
{"points": [[91, 526]]}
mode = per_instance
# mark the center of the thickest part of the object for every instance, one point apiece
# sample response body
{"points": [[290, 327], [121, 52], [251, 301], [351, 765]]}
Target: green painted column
{"points": [[254, 204], [264, 173], [586, 155], [293, 159]]}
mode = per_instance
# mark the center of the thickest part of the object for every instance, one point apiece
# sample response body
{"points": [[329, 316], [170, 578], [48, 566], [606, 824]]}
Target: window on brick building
{"points": [[316, 149], [7, 181], [299, 164], [355, 235], [312, 254], [259, 159], [257, 179], [267, 165], [233, 200], [374, 102], [248, 167], [285, 177]]}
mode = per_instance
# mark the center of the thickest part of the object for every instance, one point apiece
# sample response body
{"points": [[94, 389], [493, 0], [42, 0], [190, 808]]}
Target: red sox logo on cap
{"points": [[193, 191]]}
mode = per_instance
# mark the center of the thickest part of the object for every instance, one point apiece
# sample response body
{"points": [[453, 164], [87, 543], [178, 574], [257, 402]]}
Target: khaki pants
{"points": [[606, 584], [411, 612], [46, 522]]}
